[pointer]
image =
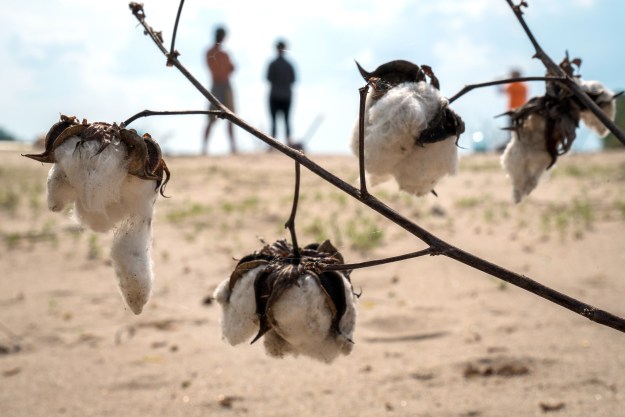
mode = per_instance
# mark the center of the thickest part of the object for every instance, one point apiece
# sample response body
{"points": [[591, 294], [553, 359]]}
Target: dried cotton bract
{"points": [[544, 129], [298, 310], [112, 176], [410, 133]]}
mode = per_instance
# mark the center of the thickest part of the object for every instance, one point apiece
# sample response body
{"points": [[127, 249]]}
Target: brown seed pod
{"points": [[47, 156], [156, 166], [145, 159]]}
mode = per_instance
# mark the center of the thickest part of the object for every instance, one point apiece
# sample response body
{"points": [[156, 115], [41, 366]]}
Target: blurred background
{"points": [[92, 60]]}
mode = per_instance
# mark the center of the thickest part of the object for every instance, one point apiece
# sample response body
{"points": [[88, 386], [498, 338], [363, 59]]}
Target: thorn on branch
{"points": [[159, 36]]}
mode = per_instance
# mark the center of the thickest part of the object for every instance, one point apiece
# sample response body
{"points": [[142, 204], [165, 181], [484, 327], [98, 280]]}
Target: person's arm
{"points": [[271, 73], [229, 63]]}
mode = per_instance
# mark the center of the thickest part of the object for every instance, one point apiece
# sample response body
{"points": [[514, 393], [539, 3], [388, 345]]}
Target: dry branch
{"points": [[567, 80], [436, 246]]}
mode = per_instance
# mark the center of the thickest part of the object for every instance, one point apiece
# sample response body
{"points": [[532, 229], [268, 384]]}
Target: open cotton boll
{"points": [[113, 177], [302, 323], [105, 195], [279, 294], [393, 126], [393, 123], [132, 260], [605, 100], [239, 320], [423, 167], [526, 158]]}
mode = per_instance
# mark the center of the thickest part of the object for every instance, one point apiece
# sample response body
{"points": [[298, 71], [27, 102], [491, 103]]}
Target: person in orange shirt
{"points": [[221, 68], [516, 91], [517, 96]]}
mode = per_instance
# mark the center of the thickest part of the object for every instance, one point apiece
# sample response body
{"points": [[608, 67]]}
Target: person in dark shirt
{"points": [[281, 76]]}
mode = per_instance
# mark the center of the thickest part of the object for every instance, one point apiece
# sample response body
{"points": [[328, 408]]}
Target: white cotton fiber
{"points": [[132, 261], [239, 321], [605, 101], [96, 179], [303, 323], [392, 125], [60, 191], [421, 170], [525, 157], [105, 196]]}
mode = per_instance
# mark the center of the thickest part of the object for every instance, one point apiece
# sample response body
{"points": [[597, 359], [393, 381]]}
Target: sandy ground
{"points": [[433, 337]]}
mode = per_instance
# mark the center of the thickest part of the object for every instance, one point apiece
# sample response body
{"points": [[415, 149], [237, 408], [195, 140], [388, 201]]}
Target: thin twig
{"points": [[568, 81], [361, 140], [470, 87], [590, 312], [138, 12], [368, 264], [147, 113], [290, 224], [172, 50]]}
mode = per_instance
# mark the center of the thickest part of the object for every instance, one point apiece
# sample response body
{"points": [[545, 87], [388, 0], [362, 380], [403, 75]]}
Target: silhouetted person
{"points": [[220, 67], [281, 76]]}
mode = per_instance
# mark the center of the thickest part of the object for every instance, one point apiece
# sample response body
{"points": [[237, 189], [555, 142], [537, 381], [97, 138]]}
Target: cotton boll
{"points": [[239, 319], [525, 157], [60, 191], [297, 310], [131, 257], [302, 323], [605, 100], [392, 124], [92, 170], [421, 170]]}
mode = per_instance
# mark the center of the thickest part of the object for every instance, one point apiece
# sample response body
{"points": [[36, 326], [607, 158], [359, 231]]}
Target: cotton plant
{"points": [[112, 177], [410, 133], [296, 308], [544, 128]]}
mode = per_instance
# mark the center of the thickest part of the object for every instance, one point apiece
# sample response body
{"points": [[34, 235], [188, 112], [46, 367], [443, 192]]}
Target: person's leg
{"points": [[273, 109], [287, 122], [233, 145], [207, 134]]}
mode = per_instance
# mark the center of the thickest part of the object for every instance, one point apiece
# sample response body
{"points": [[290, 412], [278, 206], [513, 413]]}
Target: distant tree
{"points": [[6, 135], [611, 142]]}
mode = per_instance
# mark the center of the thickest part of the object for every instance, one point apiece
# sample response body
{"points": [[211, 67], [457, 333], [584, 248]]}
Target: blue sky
{"points": [[90, 59]]}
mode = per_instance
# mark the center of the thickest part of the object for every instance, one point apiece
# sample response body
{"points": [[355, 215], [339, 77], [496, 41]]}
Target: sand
{"points": [[433, 337]]}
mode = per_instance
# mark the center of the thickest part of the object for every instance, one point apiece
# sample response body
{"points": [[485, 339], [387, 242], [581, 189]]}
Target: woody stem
{"points": [[367, 264], [290, 224], [361, 140], [470, 87], [173, 38]]}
